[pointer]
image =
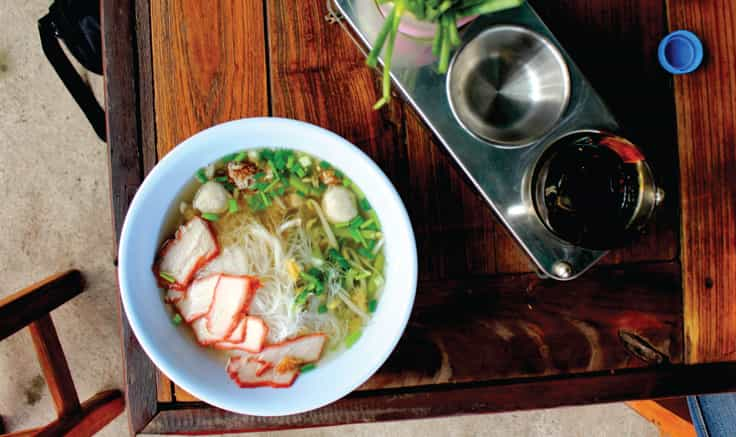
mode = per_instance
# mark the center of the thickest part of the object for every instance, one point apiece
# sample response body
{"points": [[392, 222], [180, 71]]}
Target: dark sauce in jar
{"points": [[587, 189]]}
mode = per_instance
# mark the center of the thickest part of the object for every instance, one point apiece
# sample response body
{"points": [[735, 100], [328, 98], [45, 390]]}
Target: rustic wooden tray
{"points": [[486, 333]]}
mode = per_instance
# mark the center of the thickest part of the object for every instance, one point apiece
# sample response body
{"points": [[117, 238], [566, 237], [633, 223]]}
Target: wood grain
{"points": [[33, 302], [508, 326], [54, 366], [164, 388], [93, 415], [122, 105], [456, 399], [706, 117], [207, 65]]}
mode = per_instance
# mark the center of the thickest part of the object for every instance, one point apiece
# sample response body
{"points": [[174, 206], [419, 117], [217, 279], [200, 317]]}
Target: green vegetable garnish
{"points": [[443, 13], [372, 304], [364, 204], [307, 367], [299, 185], [336, 257], [322, 309], [352, 338], [324, 165], [232, 205], [221, 179], [301, 298], [229, 158], [240, 157], [210, 216], [228, 186], [176, 320], [201, 176], [366, 253], [266, 154], [167, 277]]}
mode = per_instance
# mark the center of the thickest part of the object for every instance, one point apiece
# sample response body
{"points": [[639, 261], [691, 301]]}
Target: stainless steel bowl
{"points": [[508, 85]]}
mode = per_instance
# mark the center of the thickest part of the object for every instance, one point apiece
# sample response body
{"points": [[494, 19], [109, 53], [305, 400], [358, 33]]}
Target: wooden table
{"points": [[654, 319]]}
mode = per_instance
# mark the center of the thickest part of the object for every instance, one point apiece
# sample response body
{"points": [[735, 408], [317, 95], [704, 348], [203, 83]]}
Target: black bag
{"points": [[77, 23]]}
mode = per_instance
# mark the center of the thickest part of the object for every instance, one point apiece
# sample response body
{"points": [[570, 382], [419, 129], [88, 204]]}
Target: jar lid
{"points": [[680, 52]]}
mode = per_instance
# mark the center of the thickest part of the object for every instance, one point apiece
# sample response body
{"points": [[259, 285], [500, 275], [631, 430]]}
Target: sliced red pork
{"points": [[238, 333], [173, 296], [277, 365], [203, 335], [256, 331], [193, 245], [233, 295], [198, 298]]}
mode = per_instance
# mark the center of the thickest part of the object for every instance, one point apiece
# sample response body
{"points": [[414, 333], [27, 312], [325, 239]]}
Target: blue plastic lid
{"points": [[680, 52]]}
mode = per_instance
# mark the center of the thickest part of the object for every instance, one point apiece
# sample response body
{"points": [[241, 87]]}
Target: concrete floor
{"points": [[56, 215]]}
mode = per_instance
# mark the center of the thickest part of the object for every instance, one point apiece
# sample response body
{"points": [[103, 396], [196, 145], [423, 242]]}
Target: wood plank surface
{"points": [[125, 139], [706, 117], [208, 65], [457, 399], [314, 69]]}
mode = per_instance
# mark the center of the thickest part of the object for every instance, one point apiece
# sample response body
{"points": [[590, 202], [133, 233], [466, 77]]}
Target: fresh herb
{"points": [[308, 367], [228, 186], [221, 179], [366, 253], [324, 165], [365, 205], [210, 216], [201, 176], [232, 205], [176, 320], [240, 157], [372, 304], [229, 158], [444, 14], [322, 309], [337, 258], [167, 277]]}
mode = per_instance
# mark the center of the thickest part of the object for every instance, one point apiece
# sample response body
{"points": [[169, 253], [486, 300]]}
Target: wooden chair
{"points": [[31, 307]]}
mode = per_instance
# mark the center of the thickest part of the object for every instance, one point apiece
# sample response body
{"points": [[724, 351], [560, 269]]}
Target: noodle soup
{"points": [[277, 262]]}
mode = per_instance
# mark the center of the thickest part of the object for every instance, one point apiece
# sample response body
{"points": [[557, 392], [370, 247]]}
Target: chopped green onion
{"points": [[290, 162], [322, 309], [229, 158], [324, 165], [228, 186], [301, 298], [372, 305], [353, 337], [176, 320], [258, 176], [364, 204], [370, 234], [300, 172], [201, 176], [358, 237], [367, 223], [232, 205], [341, 225], [340, 174], [221, 179], [346, 182], [255, 204], [266, 154], [210, 216], [308, 367], [309, 277], [366, 252], [167, 277], [337, 257], [240, 156], [298, 184], [356, 222], [265, 199], [305, 161], [300, 193]]}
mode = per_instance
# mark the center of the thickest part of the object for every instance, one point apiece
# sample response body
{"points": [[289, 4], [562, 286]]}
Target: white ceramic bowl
{"points": [[188, 364]]}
